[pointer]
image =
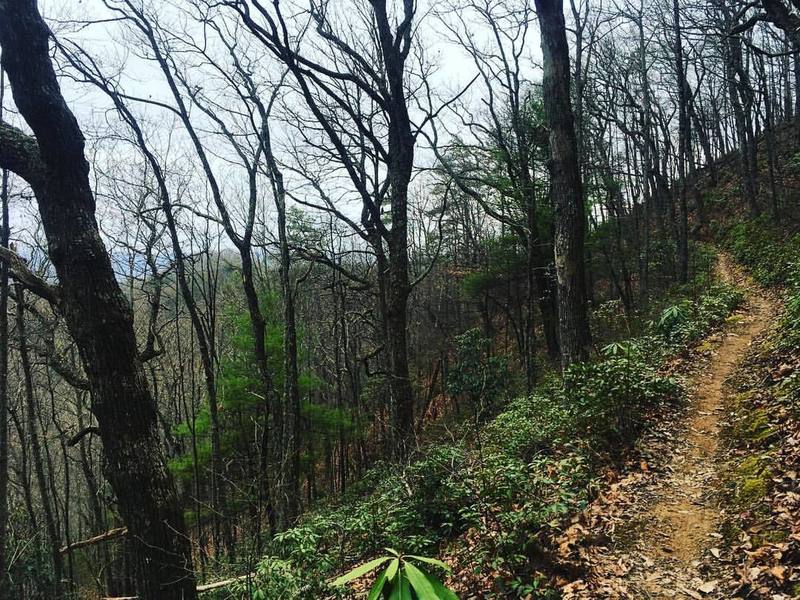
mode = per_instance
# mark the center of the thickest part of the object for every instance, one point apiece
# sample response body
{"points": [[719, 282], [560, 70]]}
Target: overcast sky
{"points": [[88, 23]]}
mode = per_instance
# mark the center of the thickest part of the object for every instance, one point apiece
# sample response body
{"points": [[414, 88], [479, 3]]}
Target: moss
{"points": [[741, 401], [706, 346], [753, 427], [773, 536], [752, 490], [752, 479], [750, 467]]}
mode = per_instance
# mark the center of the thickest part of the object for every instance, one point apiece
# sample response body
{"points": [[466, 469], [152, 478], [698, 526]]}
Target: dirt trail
{"points": [[684, 516], [664, 544]]}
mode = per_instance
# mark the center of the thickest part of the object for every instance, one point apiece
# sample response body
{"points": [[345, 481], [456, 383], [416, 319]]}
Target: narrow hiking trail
{"points": [[654, 534]]}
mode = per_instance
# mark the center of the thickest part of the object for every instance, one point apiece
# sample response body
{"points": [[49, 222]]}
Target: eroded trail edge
{"points": [[657, 533]]}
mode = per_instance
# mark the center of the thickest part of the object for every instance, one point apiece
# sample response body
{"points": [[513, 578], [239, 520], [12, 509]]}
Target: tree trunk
{"points": [[684, 148], [5, 583], [736, 87], [565, 186], [95, 310], [400, 165], [796, 69], [402, 396], [33, 435], [769, 135], [539, 280], [290, 471]]}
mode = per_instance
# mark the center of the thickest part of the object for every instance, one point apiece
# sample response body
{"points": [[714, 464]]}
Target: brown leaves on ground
{"points": [[766, 549], [653, 532], [664, 525]]}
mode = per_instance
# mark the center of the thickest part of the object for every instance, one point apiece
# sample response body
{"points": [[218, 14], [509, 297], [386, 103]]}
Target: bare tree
{"points": [[510, 131], [4, 239], [374, 70]]}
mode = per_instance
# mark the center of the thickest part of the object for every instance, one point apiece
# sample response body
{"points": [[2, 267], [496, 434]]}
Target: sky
{"points": [[88, 23], [106, 43]]}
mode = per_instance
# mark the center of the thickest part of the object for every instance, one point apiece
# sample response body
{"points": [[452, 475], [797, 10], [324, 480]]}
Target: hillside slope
{"points": [[620, 483], [715, 514]]}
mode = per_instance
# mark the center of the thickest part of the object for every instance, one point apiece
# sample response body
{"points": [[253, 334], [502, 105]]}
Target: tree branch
{"points": [[74, 441], [107, 535], [19, 153], [20, 272]]}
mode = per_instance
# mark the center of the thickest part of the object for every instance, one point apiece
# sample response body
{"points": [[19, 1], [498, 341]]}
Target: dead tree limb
{"points": [[108, 535]]}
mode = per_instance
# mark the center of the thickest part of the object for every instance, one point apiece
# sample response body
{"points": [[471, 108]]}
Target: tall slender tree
{"points": [[684, 145], [4, 238], [361, 103], [565, 185]]}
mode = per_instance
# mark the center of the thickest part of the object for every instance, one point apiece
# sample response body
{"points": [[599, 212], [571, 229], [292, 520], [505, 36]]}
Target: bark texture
{"points": [[684, 147], [4, 237], [565, 184]]}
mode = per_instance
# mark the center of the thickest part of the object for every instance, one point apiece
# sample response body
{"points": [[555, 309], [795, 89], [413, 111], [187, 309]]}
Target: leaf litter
{"points": [[655, 531]]}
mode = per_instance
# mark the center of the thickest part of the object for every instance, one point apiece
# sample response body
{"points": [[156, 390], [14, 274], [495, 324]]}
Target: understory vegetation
{"points": [[334, 298], [770, 252], [489, 496]]}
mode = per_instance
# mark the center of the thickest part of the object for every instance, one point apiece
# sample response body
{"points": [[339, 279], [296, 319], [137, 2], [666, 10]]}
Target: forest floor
{"points": [[654, 533]]}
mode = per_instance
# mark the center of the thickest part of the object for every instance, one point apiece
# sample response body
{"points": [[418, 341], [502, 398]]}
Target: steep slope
{"points": [[713, 510], [659, 526]]}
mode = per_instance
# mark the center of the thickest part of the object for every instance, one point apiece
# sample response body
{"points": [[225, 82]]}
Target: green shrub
{"points": [[274, 579], [773, 257], [672, 322], [403, 577], [440, 490], [507, 481], [478, 376], [692, 319], [607, 399], [530, 425], [789, 336], [771, 254]]}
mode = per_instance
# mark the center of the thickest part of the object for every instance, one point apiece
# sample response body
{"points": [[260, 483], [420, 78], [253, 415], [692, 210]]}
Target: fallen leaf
{"points": [[778, 572], [707, 587]]}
